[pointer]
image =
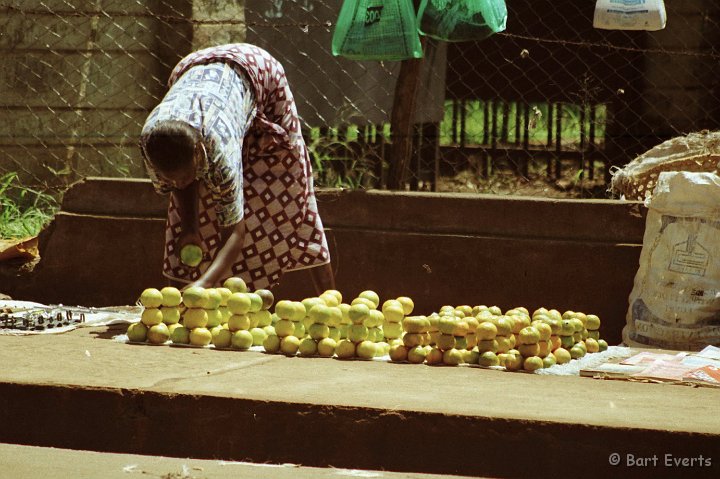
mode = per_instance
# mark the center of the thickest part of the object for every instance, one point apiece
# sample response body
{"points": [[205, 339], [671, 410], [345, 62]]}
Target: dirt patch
{"points": [[570, 185]]}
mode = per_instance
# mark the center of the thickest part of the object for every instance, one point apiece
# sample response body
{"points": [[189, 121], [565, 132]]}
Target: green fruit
{"points": [[221, 337], [180, 335], [488, 358], [158, 333], [242, 339], [308, 347], [191, 255], [258, 335], [137, 333], [272, 344]]}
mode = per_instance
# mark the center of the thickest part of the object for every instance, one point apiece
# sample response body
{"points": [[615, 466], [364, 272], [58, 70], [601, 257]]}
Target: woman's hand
{"points": [[228, 254]]}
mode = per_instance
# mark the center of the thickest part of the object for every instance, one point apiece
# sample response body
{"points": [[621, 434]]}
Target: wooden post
{"points": [[401, 121]]}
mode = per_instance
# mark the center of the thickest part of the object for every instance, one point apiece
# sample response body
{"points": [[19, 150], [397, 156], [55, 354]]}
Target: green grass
{"points": [[538, 131], [23, 211]]}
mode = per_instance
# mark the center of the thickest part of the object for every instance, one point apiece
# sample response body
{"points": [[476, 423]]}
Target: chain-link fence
{"points": [[549, 98]]}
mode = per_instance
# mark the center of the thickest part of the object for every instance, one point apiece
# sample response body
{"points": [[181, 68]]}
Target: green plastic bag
{"points": [[461, 20], [377, 30]]}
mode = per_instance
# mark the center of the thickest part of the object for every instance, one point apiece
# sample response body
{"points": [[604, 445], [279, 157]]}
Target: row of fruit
{"points": [[325, 326]]}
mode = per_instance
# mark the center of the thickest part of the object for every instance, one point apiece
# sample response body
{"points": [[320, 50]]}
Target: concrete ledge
{"points": [[101, 395], [31, 462], [106, 246]]}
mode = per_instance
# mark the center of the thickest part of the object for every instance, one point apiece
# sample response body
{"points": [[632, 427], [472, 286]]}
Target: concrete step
{"points": [[83, 391], [32, 462]]}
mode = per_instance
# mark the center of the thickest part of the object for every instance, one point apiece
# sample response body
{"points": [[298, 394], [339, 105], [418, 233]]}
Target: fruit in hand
{"points": [[191, 255]]}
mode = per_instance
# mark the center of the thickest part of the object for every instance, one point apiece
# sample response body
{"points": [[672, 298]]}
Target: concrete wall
{"points": [[78, 80], [105, 247]]}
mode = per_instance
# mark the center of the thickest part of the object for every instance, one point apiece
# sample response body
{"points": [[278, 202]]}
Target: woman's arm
{"points": [[219, 269], [186, 201]]}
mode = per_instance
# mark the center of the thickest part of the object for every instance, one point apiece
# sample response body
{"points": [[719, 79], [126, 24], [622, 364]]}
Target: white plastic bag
{"points": [[630, 15], [675, 301]]}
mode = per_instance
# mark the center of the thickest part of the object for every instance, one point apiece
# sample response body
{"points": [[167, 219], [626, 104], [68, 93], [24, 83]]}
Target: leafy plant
{"points": [[23, 210]]}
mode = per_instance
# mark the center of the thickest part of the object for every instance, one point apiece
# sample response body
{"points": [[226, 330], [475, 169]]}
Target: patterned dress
{"points": [[258, 169]]}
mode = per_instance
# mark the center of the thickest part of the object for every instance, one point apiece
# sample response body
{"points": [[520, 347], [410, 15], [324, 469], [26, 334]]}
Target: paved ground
{"points": [[30, 462], [81, 390]]}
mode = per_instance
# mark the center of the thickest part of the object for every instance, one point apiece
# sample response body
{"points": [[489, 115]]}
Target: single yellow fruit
{"points": [[549, 360], [221, 337], [158, 334], [256, 302], [372, 296], [434, 356], [358, 312], [452, 357], [486, 330], [235, 284], [195, 297], [398, 353], [326, 347], [242, 339], [393, 310], [488, 358], [236, 322], [258, 335], [319, 331], [592, 322], [179, 334], [284, 327], [416, 355], [261, 318], [195, 318], [533, 363], [562, 355], [299, 330], [330, 299], [214, 318], [308, 347], [151, 316], [171, 314], [272, 344], [267, 298], [528, 350], [592, 345], [151, 298], [357, 333], [137, 333], [191, 255], [365, 350], [407, 303], [392, 330], [335, 293], [345, 349], [200, 336], [171, 296], [289, 345]]}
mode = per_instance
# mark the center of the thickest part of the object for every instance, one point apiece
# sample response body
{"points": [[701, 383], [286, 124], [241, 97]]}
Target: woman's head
{"points": [[174, 149]]}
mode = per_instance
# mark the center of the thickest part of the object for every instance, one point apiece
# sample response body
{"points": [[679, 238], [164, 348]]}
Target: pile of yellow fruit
{"points": [[231, 317], [227, 317]]}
